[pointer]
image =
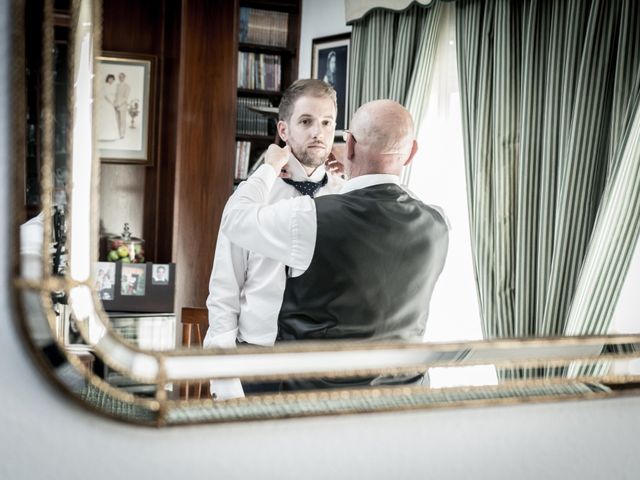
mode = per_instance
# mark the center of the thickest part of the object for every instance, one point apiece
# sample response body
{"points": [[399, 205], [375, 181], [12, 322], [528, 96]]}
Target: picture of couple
{"points": [[116, 95], [123, 114], [105, 280]]}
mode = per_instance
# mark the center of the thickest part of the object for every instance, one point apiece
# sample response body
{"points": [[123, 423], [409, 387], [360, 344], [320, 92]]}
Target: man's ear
{"points": [[351, 147], [414, 149], [283, 130]]}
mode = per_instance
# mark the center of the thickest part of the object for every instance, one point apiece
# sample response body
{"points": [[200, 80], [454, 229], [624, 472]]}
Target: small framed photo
{"points": [[125, 107], [71, 331], [160, 274], [133, 280], [105, 280], [330, 62]]}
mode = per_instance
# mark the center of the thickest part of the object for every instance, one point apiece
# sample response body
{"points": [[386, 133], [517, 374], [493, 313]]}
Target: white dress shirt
{"points": [[246, 288]]}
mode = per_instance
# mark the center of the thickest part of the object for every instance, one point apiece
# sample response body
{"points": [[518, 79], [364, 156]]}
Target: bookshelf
{"points": [[268, 42]]}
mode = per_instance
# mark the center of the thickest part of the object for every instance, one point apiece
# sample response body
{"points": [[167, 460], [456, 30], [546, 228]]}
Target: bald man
{"points": [[362, 263]]}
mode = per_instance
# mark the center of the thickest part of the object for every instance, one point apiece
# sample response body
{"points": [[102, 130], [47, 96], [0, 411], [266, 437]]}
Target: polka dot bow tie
{"points": [[306, 187]]}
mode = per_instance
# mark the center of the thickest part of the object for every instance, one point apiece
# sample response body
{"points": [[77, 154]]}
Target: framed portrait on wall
{"points": [[330, 62], [125, 107]]}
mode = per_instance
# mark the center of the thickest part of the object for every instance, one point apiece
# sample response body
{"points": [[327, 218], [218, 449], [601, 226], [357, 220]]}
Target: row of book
{"points": [[244, 169], [259, 71], [263, 27], [250, 122], [243, 151]]}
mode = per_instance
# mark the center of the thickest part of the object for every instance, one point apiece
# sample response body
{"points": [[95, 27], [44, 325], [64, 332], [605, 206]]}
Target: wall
{"points": [[121, 198], [319, 19], [42, 436]]}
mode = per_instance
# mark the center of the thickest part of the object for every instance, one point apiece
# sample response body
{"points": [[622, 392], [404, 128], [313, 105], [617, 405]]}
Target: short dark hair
{"points": [[108, 77], [305, 87]]}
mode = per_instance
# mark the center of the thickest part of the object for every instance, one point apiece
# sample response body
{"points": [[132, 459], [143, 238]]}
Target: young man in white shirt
{"points": [[364, 263], [246, 288]]}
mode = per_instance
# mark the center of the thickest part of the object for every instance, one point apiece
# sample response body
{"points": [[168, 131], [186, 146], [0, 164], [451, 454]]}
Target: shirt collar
{"points": [[298, 174], [364, 181]]}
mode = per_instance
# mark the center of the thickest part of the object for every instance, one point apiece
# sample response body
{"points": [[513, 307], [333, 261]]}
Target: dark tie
{"points": [[306, 187]]}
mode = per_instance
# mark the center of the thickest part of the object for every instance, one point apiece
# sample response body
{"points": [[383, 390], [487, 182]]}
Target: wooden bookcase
{"points": [[256, 16]]}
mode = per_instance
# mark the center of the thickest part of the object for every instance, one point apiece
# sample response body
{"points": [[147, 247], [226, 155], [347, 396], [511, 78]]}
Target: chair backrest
{"points": [[195, 323]]}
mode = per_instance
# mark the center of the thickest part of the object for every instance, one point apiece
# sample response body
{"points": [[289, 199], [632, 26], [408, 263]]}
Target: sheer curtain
{"points": [[438, 178]]}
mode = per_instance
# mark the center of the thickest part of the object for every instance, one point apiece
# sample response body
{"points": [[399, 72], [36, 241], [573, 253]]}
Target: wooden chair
{"points": [[195, 323]]}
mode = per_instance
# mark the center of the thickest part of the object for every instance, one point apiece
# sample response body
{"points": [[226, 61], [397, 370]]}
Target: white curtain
{"points": [[437, 176]]}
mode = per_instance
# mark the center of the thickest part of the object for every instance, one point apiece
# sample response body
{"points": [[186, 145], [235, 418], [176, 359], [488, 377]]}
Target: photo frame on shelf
{"points": [[330, 62], [125, 102], [140, 287]]}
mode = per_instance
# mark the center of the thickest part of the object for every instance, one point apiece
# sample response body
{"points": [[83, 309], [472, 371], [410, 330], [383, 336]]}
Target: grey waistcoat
{"points": [[377, 257]]}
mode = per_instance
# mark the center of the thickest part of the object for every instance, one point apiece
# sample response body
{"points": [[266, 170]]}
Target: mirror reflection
{"points": [[433, 216]]}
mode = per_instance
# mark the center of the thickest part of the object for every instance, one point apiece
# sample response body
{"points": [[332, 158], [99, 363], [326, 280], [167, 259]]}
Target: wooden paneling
{"points": [[160, 178], [132, 26], [205, 143]]}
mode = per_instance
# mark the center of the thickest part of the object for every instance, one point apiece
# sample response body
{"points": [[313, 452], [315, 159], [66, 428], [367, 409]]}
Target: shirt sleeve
{"points": [[226, 389], [284, 231], [225, 284]]}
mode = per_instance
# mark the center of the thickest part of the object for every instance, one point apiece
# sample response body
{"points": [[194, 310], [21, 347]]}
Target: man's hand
{"points": [[277, 157], [333, 165]]}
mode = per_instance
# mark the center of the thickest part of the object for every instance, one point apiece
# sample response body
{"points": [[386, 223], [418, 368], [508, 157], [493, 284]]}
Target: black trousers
{"points": [[252, 388]]}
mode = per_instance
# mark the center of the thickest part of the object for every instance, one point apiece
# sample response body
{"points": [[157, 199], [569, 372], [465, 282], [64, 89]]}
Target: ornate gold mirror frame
{"points": [[524, 370]]}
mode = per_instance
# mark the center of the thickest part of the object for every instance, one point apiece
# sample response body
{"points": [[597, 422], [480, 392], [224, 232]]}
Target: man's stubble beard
{"points": [[307, 160]]}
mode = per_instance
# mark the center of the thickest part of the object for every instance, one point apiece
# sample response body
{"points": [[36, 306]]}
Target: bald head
{"points": [[383, 139]]}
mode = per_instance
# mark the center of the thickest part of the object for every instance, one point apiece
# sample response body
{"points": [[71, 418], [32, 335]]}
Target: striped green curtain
{"points": [[391, 57], [551, 120]]}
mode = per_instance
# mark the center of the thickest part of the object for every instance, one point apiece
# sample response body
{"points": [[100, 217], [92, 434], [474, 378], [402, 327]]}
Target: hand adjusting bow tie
{"points": [[306, 187]]}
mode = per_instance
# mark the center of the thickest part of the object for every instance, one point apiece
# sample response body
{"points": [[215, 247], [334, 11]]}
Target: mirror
{"points": [[124, 365]]}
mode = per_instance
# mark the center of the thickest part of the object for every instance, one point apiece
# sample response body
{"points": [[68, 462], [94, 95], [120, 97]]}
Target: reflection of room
{"points": [[149, 195], [172, 202], [164, 199]]}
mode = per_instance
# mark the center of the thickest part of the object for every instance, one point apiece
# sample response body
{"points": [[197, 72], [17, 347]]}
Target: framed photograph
{"points": [[330, 62], [160, 274], [105, 280], [125, 103], [133, 280], [71, 331]]}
